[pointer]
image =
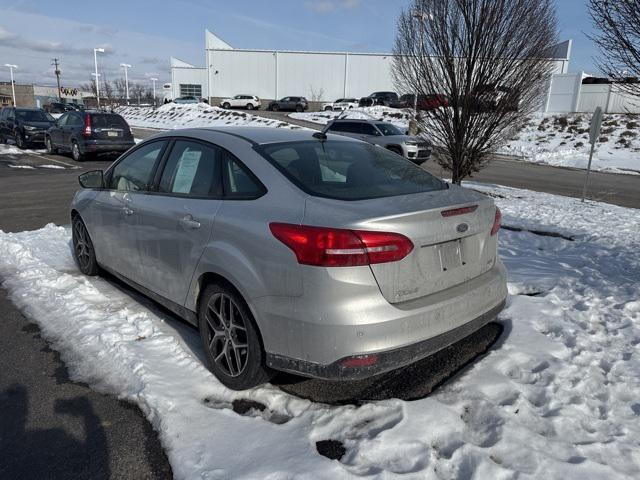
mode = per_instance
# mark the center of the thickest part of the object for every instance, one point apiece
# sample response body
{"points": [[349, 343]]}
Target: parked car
{"points": [[188, 99], [378, 98], [489, 98], [89, 132], [340, 104], [243, 101], [26, 126], [384, 134], [293, 250], [76, 106], [299, 104], [57, 107], [425, 102]]}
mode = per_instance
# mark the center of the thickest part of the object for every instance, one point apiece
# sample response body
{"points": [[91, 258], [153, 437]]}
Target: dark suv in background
{"points": [[379, 98], [299, 104], [89, 132], [25, 126]]}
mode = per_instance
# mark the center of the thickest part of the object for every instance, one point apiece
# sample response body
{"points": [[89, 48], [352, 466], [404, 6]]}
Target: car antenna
{"points": [[322, 134]]}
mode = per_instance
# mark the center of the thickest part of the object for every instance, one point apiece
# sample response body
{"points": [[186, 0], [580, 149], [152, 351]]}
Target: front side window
{"points": [[367, 129], [389, 129], [348, 170], [193, 169], [63, 120], [34, 116], [134, 172]]}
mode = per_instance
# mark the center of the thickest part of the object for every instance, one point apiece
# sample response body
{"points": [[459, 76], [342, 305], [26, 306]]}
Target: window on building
{"points": [[190, 90]]}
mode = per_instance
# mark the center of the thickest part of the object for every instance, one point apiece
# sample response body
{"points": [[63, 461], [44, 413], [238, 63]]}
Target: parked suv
{"points": [[26, 126], [340, 104], [299, 104], [88, 132], [379, 98], [386, 135], [292, 250], [243, 101]]}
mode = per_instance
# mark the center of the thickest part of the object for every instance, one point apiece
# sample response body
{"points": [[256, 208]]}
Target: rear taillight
{"points": [[459, 211], [359, 361], [335, 247], [87, 126], [496, 222]]}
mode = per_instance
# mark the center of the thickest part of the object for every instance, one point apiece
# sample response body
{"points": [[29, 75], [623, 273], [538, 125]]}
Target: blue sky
{"points": [[145, 34]]}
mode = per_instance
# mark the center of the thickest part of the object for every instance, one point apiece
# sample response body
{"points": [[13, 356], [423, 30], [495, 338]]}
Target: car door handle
{"points": [[189, 222], [127, 211]]}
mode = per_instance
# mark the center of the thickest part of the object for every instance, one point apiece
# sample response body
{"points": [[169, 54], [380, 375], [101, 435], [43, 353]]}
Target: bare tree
{"points": [[90, 86], [617, 26], [107, 90], [317, 94], [120, 87], [490, 58]]}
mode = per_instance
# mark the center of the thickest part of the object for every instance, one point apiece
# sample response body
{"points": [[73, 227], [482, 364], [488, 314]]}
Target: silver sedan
{"points": [[309, 253]]}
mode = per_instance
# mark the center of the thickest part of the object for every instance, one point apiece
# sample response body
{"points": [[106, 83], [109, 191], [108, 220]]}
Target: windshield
{"points": [[34, 116], [389, 129], [348, 170]]}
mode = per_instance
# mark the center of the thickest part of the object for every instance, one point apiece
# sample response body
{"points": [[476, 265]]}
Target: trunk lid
{"points": [[110, 127], [448, 249]]}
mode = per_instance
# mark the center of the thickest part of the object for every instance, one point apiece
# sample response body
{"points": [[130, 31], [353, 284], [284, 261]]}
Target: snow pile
{"points": [[396, 116], [563, 140], [7, 149], [557, 397], [173, 115]]}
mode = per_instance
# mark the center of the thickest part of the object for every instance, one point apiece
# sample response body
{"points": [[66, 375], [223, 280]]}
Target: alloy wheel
{"points": [[82, 246], [75, 151], [226, 335], [47, 141], [19, 141]]}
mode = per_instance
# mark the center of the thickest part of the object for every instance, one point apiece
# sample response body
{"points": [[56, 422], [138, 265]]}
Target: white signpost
{"points": [[594, 133]]}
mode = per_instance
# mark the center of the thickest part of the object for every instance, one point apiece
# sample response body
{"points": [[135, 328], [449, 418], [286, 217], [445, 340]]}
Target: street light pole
{"points": [[154, 80], [126, 79], [95, 61], [13, 87]]}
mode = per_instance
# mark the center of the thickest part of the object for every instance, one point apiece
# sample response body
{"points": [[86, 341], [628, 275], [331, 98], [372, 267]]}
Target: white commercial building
{"points": [[272, 74]]}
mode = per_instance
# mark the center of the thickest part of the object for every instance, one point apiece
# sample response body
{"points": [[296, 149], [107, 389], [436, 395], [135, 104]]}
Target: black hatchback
{"points": [[89, 132]]}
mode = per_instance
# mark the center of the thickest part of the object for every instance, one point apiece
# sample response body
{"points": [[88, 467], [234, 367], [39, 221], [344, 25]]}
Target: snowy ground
{"points": [[560, 140], [557, 398], [188, 115]]}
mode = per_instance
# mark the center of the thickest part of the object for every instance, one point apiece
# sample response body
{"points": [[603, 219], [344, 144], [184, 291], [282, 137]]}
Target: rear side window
{"points": [[193, 169], [134, 172], [239, 183], [107, 120], [348, 170]]}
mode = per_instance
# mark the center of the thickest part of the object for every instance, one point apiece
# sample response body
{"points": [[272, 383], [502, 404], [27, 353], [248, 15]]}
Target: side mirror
{"points": [[92, 179]]}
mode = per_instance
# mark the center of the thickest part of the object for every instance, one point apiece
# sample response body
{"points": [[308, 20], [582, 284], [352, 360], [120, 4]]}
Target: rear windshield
{"points": [[107, 120], [34, 116], [348, 170]]}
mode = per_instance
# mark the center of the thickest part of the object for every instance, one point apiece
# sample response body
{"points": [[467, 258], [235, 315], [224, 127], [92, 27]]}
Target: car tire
{"points": [[3, 139], [328, 109], [76, 154], [275, 108], [231, 339], [226, 105], [299, 108], [51, 150], [20, 141], [83, 251], [249, 106]]}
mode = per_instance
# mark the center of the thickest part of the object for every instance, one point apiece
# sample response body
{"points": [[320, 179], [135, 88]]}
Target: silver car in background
{"points": [[292, 250], [384, 134]]}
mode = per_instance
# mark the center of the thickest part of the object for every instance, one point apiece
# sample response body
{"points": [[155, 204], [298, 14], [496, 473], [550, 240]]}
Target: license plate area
{"points": [[112, 134], [450, 255]]}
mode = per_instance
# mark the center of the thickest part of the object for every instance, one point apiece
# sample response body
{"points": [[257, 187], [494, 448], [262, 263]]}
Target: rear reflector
{"points": [[459, 211], [335, 247], [361, 361], [497, 220]]}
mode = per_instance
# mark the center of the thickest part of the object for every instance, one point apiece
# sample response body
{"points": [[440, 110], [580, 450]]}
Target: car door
{"points": [[55, 133], [9, 123], [74, 122], [175, 222], [114, 210], [4, 113]]}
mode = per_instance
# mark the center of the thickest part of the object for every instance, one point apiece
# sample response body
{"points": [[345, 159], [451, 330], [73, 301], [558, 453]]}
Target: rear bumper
{"points": [[96, 146], [314, 334]]}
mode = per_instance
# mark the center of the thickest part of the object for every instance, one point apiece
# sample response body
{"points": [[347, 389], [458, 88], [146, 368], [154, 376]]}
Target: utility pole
{"points": [[57, 72], [13, 83]]}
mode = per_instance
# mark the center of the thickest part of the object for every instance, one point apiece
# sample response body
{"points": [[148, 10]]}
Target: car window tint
{"points": [[106, 120], [238, 182], [62, 121], [348, 170], [192, 169], [133, 173], [75, 120], [367, 129]]}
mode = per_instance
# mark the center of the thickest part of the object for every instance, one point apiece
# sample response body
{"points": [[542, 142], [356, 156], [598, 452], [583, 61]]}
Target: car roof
{"points": [[254, 135], [361, 120]]}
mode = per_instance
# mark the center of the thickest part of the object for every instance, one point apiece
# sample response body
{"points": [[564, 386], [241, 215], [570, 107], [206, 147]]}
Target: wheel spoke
{"points": [[227, 334]]}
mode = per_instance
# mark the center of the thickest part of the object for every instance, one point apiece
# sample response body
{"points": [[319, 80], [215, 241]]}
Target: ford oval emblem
{"points": [[463, 227]]}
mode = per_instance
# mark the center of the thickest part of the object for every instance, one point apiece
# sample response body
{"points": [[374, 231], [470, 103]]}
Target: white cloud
{"points": [[329, 6]]}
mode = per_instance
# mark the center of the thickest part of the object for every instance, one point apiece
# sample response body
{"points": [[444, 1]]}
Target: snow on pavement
{"points": [[556, 398], [190, 115]]}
